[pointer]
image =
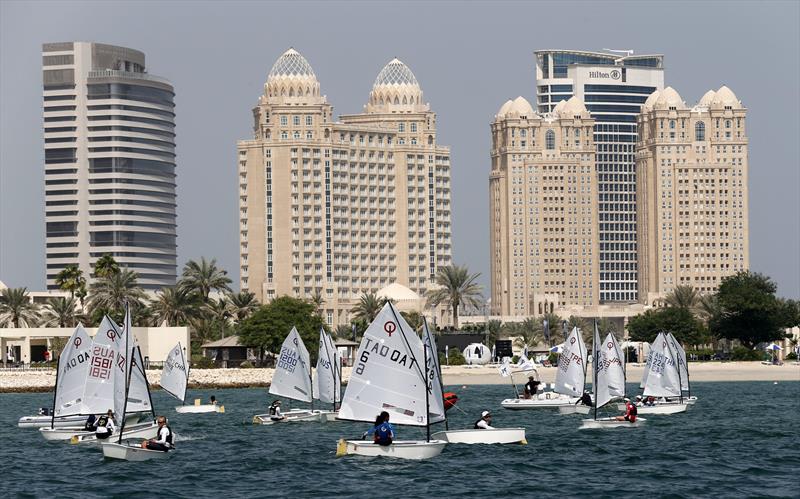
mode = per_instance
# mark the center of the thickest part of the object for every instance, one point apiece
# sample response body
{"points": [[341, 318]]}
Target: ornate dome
{"points": [[651, 100], [705, 100], [292, 80], [560, 106], [504, 109], [668, 98], [396, 89], [520, 107], [574, 107], [725, 98]]}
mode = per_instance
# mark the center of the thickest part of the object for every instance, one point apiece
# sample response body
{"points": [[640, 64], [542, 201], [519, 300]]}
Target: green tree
{"points": [[686, 328], [317, 300], [16, 308], [177, 306], [492, 328], [60, 312], [110, 294], [414, 319], [71, 279], [242, 305], [268, 326], [749, 311], [529, 333], [368, 307], [343, 331], [204, 277], [456, 287], [105, 266], [685, 297]]}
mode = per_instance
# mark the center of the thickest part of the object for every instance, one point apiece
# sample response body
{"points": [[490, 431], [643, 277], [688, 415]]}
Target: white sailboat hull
{"points": [[482, 436], [141, 431], [45, 421], [199, 409], [610, 423], [662, 408], [401, 449], [298, 416], [574, 409], [132, 451], [546, 400]]}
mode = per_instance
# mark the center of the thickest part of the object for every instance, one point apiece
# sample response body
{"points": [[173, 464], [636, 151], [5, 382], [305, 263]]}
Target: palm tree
{"points": [[242, 305], [317, 300], [343, 331], [105, 266], [204, 277], [60, 312], [175, 305], [110, 294], [529, 333], [586, 329], [217, 310], [16, 308], [368, 307], [71, 279], [456, 287], [684, 297], [413, 318]]}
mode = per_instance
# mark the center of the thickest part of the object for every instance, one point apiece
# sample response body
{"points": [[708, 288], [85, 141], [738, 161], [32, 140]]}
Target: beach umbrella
{"points": [[558, 348], [773, 347]]}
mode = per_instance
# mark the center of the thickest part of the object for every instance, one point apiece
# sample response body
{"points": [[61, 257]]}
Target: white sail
{"points": [[175, 374], [571, 374], [73, 367], [292, 378], [649, 362], [600, 379], [614, 362], [680, 355], [326, 376], [435, 399], [139, 390], [337, 368], [105, 369], [388, 374], [123, 368], [662, 378]]}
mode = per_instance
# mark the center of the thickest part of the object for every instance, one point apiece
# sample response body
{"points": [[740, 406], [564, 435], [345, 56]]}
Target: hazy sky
{"points": [[468, 57]]}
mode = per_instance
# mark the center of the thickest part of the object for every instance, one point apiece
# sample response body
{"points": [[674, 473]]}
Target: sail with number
{"points": [[107, 369], [614, 361], [292, 378], [571, 374], [435, 392], [73, 367], [327, 383], [663, 379], [646, 371], [175, 374], [680, 355], [388, 374]]}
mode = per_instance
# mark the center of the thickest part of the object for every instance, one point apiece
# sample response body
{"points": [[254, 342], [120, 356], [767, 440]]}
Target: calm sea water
{"points": [[740, 439]]}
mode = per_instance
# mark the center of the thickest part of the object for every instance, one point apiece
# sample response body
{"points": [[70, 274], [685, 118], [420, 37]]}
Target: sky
{"points": [[468, 57]]}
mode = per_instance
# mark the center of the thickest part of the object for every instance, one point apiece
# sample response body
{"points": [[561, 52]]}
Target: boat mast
{"points": [[438, 367], [676, 363], [127, 375], [55, 394], [147, 383], [427, 398], [188, 368]]}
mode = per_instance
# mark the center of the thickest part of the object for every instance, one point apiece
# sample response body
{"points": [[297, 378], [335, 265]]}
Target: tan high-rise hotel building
{"points": [[543, 209], [692, 170], [341, 208]]}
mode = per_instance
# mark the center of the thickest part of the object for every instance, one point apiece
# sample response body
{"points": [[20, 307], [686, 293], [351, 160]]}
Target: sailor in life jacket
{"points": [[275, 411], [485, 422], [164, 437], [630, 412], [383, 432], [105, 426]]}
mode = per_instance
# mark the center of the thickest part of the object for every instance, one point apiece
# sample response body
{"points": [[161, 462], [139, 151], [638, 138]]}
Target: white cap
{"points": [[626, 399], [484, 414]]}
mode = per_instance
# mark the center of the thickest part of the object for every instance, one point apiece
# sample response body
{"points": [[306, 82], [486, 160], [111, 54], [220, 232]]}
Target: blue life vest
{"points": [[383, 434]]}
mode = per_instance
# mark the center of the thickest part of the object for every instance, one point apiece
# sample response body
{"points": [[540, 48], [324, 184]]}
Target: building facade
{"points": [[613, 87], [109, 141], [543, 216], [336, 209], [692, 171]]}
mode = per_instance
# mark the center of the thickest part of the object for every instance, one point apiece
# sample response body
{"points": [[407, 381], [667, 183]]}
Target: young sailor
{"points": [[105, 426], [90, 424], [585, 399], [630, 412], [485, 422], [164, 437], [383, 432], [275, 411], [212, 400]]}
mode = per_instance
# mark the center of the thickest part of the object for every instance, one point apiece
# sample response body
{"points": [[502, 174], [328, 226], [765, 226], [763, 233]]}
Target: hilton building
{"points": [[336, 209], [109, 143], [613, 87]]}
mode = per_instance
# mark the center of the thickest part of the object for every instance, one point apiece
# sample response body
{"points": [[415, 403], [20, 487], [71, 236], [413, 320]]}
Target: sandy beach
{"points": [[13, 380]]}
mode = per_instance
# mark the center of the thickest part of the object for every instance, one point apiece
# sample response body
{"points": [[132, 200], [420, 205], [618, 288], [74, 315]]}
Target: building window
{"points": [[284, 135], [699, 131], [284, 121], [413, 127], [309, 135], [296, 134], [550, 139], [401, 127], [309, 121], [296, 120]]}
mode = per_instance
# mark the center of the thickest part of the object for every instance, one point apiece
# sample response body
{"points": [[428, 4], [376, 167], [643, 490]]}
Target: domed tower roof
{"points": [[560, 106], [520, 107], [504, 109], [396, 89], [705, 100], [724, 98], [651, 100], [668, 98], [574, 107], [292, 80]]}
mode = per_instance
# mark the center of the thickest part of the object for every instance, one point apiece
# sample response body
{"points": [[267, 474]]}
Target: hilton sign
{"points": [[614, 74]]}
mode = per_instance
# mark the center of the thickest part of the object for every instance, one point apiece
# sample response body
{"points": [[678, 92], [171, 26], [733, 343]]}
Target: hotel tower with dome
{"points": [[338, 208]]}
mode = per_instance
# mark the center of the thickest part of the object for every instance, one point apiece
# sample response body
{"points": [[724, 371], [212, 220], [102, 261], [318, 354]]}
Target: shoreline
{"points": [[16, 381]]}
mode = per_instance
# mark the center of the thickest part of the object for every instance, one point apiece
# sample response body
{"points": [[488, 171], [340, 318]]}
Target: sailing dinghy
{"points": [[328, 376], [390, 375], [175, 380], [608, 381], [128, 368]]}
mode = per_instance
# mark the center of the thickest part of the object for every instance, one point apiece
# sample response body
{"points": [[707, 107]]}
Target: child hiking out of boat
{"points": [[105, 426], [485, 422], [382, 432], [630, 412], [164, 437], [275, 411]]}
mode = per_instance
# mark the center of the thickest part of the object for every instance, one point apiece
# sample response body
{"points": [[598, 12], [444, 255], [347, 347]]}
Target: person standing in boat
{"points": [[105, 426], [485, 422], [164, 437], [531, 387], [275, 411], [630, 412]]}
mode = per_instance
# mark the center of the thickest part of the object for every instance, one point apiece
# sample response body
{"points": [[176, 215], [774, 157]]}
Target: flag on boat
{"points": [[505, 368]]}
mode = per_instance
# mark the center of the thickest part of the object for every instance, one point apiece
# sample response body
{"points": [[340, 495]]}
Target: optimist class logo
{"points": [[390, 327]]}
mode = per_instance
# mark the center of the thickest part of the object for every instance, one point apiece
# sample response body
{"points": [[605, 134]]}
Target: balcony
{"points": [[114, 73]]}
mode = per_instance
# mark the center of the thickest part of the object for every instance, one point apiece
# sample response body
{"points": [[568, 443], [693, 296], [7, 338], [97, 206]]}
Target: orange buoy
{"points": [[450, 399]]}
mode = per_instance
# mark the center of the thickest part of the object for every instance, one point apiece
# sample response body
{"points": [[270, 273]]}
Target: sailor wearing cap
{"points": [[484, 423]]}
